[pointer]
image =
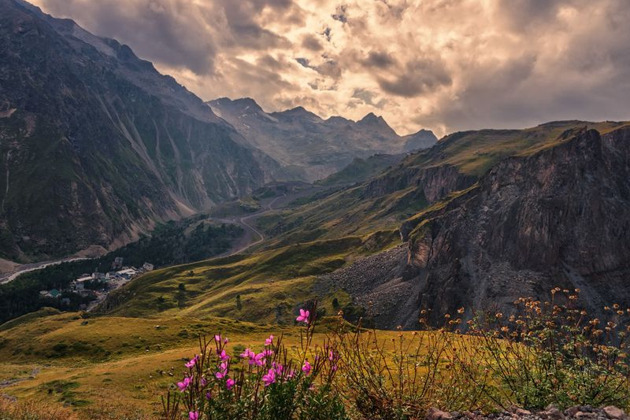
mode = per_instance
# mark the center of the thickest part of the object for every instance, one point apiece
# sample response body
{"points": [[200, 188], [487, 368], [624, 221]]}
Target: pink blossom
{"points": [[269, 378], [193, 415], [304, 315], [192, 362], [331, 355], [267, 353], [208, 395], [217, 338], [204, 382], [223, 356], [248, 354], [278, 368], [229, 384], [306, 368], [269, 341], [222, 371], [183, 385], [291, 374]]}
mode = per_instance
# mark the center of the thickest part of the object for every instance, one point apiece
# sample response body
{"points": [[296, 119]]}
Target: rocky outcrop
{"points": [[558, 217]]}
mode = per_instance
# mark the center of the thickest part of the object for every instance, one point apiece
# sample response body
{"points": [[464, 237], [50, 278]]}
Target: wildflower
{"points": [[229, 384], [278, 368], [192, 362], [269, 341], [291, 374], [270, 377], [204, 382], [304, 315], [306, 368], [183, 385], [222, 371], [223, 356], [248, 354], [208, 395], [193, 415], [217, 338]]}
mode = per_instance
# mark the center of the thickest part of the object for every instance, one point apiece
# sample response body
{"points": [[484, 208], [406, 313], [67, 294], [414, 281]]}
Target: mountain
{"points": [[552, 211], [96, 145], [309, 146]]}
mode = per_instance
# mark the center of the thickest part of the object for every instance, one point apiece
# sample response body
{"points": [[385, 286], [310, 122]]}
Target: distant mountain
{"points": [[96, 145], [360, 170], [310, 146]]}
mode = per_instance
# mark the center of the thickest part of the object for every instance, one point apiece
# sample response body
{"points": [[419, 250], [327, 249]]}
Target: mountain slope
{"points": [[310, 146], [96, 145]]}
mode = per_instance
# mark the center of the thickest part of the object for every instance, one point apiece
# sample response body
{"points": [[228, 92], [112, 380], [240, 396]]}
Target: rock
{"points": [[436, 414], [522, 412], [571, 411], [552, 413], [615, 413], [585, 415]]}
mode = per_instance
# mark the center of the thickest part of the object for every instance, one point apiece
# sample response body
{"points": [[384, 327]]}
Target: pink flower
{"points": [[331, 355], [303, 316], [291, 374], [192, 362], [269, 341], [306, 368], [183, 385], [278, 368], [217, 338], [193, 415], [208, 395], [248, 354], [204, 382], [259, 359], [269, 378], [229, 384], [223, 356], [222, 371], [267, 353]]}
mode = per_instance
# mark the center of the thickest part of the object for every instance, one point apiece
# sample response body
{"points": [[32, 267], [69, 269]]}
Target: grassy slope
{"points": [[128, 364], [270, 284]]}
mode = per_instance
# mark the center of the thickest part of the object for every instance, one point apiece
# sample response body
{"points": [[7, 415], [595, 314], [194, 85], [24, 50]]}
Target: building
{"points": [[118, 263]]}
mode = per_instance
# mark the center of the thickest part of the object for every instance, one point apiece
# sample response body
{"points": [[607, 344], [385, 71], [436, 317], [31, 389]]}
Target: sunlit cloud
{"points": [[439, 64]]}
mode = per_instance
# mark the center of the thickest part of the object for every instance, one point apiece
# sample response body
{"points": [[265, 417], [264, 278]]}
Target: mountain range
{"points": [[96, 146], [311, 147]]}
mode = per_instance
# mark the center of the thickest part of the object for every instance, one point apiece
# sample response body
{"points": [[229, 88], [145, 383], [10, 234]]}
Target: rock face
{"points": [[557, 214], [96, 145], [558, 217], [310, 146]]}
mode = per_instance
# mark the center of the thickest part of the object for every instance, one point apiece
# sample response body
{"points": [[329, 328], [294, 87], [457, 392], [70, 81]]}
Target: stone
{"points": [[522, 412], [615, 413], [552, 413], [437, 414]]}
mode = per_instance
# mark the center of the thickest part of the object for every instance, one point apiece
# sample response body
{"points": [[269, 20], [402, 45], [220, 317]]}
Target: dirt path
{"points": [[248, 224]]}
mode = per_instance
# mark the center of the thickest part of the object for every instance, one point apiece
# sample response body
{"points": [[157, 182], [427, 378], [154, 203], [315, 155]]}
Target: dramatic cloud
{"points": [[441, 64]]}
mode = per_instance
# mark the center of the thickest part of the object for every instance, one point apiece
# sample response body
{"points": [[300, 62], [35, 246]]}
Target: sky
{"points": [[445, 65]]}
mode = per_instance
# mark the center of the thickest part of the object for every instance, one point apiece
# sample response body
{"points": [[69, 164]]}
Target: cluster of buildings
{"points": [[98, 284]]}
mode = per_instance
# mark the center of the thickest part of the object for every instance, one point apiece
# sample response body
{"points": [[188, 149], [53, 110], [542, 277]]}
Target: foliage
{"points": [[265, 385], [553, 352]]}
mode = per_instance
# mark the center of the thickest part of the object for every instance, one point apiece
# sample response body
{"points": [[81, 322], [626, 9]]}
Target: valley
{"points": [[139, 221]]}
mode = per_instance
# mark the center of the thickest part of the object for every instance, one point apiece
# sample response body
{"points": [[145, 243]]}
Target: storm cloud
{"points": [[439, 64]]}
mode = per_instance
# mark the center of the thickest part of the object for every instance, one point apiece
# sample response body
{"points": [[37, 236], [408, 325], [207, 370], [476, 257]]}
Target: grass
{"points": [[140, 359], [269, 284]]}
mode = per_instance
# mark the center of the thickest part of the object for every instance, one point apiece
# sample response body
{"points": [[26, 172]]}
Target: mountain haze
{"points": [[311, 147]]}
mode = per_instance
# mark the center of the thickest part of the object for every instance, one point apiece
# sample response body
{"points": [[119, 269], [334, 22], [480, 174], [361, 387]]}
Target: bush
{"points": [[553, 352], [265, 385]]}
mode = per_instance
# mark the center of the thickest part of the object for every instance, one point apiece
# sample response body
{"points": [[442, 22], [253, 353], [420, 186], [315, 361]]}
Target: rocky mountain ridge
{"points": [[556, 217], [311, 147], [97, 146]]}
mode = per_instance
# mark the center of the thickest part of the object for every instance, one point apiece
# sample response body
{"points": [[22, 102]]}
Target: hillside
{"points": [[97, 146], [310, 146]]}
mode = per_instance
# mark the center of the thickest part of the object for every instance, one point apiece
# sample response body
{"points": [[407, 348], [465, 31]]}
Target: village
{"points": [[94, 288]]}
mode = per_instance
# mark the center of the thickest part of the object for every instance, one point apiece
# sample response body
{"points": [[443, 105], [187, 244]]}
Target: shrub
{"points": [[553, 352], [259, 385]]}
